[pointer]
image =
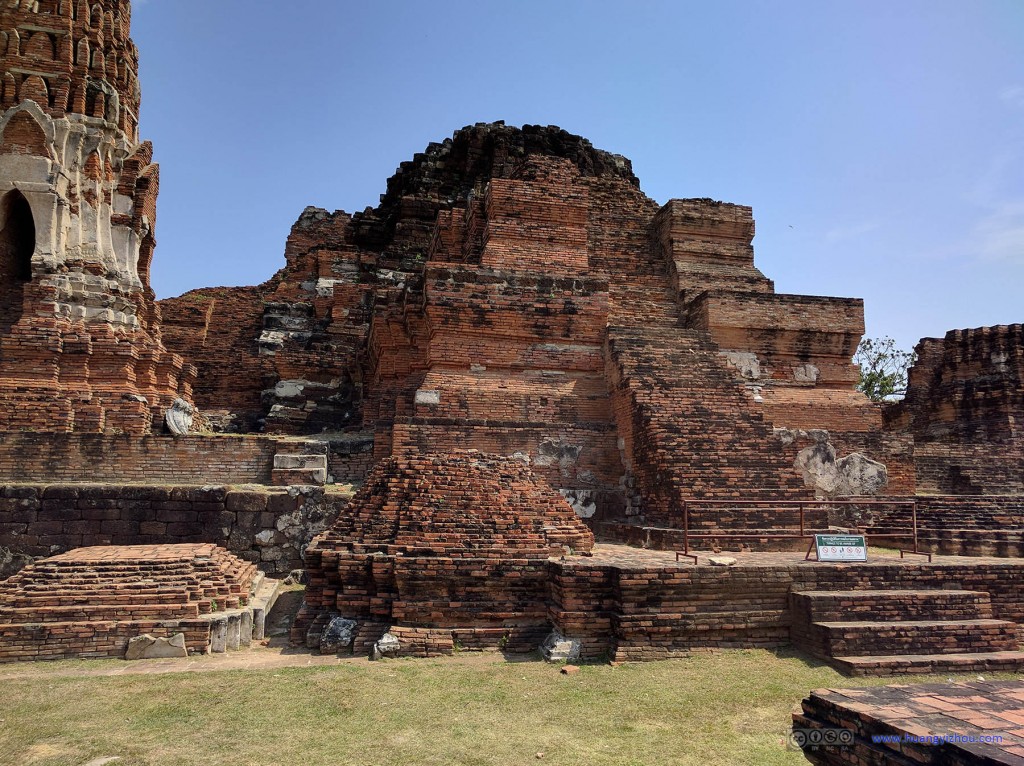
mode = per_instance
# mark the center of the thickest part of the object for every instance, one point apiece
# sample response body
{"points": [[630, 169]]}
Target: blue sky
{"points": [[880, 143]]}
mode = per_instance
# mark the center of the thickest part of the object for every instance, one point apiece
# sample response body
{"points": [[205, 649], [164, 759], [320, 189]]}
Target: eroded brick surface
{"points": [[269, 527], [515, 292], [637, 604], [91, 601], [964, 407]]}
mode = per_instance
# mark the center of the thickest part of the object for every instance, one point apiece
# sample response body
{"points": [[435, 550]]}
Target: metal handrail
{"points": [[801, 504]]}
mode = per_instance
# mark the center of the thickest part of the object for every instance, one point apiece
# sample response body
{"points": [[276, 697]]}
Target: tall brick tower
{"points": [[80, 345]]}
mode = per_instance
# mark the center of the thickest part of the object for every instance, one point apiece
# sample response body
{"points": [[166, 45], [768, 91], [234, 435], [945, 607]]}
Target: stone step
{"points": [[265, 593], [299, 462], [306, 468], [963, 662], [844, 639], [886, 605]]}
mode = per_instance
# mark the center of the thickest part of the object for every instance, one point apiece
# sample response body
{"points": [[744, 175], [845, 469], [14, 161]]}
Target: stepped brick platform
{"points": [[880, 632], [439, 545], [637, 604], [956, 724], [91, 601]]}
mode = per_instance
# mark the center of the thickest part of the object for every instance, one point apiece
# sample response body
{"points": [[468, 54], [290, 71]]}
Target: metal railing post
{"points": [[686, 526], [914, 509]]}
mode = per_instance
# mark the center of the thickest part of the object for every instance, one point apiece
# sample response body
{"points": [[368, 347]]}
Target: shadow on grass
{"points": [[792, 653]]}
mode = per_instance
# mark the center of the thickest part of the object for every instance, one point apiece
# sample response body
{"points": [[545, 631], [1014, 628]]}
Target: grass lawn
{"points": [[730, 707]]}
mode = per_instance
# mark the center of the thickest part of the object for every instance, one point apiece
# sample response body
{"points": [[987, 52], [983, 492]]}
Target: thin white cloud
{"points": [[1013, 95], [999, 236], [991, 185]]}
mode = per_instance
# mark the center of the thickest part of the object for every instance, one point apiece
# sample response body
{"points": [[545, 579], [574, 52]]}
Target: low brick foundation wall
{"points": [[165, 459], [658, 612], [268, 526], [664, 539], [125, 459]]}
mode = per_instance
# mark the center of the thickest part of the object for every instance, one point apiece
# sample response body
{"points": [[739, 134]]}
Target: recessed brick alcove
{"points": [[443, 548]]}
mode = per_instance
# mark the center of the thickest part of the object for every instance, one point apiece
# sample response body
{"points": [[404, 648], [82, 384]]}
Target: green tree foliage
{"points": [[883, 368]]}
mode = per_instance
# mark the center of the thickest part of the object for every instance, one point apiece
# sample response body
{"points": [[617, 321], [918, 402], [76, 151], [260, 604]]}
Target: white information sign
{"points": [[841, 547]]}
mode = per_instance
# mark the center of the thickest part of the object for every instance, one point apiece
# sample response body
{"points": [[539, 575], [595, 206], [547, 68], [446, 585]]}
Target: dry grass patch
{"points": [[722, 708]]}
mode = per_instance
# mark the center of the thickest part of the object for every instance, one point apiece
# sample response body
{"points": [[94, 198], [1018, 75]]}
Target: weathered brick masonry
{"points": [[952, 724], [965, 409], [27, 456], [515, 292], [266, 526], [633, 611]]}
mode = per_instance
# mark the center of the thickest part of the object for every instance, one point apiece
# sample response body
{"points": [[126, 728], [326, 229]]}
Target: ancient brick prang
{"points": [[443, 543], [515, 292], [965, 409], [80, 344], [91, 601]]}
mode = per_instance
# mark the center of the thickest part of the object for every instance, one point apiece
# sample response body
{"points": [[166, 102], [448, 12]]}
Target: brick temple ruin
{"points": [[442, 399]]}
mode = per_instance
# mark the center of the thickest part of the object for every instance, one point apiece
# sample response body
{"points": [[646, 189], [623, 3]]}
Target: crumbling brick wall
{"points": [[965, 410], [658, 612], [28, 456]]}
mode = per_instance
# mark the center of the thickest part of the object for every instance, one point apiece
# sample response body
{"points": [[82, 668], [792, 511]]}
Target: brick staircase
{"points": [[955, 513], [884, 632], [693, 431]]}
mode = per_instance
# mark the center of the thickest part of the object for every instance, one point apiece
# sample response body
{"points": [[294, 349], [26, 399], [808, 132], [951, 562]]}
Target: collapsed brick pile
{"points": [[89, 602], [455, 542]]}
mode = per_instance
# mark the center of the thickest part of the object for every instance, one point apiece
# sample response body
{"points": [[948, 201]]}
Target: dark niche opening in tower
{"points": [[17, 243]]}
